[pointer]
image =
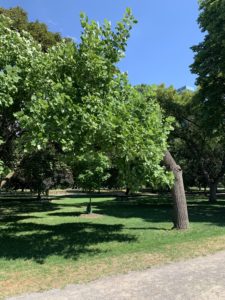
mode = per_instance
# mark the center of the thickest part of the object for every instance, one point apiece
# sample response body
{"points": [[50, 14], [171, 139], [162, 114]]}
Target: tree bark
{"points": [[6, 179], [181, 220], [212, 191]]}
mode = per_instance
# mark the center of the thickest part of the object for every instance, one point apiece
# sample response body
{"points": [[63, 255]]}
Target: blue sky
{"points": [[159, 47]]}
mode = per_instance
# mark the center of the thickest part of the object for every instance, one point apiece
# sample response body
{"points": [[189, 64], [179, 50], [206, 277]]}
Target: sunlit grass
{"points": [[50, 244]]}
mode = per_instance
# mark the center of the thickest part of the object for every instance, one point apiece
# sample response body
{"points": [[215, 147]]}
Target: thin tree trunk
{"points": [[127, 191], [39, 194], [212, 191], [181, 220]]}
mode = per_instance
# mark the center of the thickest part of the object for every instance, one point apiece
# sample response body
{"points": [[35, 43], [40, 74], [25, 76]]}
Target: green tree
{"points": [[201, 153], [210, 69], [168, 100], [38, 30], [76, 95], [86, 104], [15, 64], [209, 62], [90, 170]]}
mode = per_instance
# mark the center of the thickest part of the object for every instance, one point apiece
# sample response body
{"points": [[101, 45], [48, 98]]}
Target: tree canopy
{"points": [[38, 30], [74, 97], [209, 62]]}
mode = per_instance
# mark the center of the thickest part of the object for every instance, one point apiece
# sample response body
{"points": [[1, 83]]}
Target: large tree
{"points": [[15, 64], [86, 104], [80, 102], [209, 62], [210, 69]]}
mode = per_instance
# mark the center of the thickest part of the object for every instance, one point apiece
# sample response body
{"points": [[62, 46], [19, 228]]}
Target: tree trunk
{"points": [[6, 179], [38, 195], [212, 191], [181, 220], [127, 191]]}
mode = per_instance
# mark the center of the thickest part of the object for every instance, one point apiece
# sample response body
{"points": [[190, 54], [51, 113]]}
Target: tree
{"points": [[210, 69], [38, 30], [90, 170], [87, 105], [168, 100], [78, 98], [209, 63], [202, 153], [15, 64], [40, 171]]}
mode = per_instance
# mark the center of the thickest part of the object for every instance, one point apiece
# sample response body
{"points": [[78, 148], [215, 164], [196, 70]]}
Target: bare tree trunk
{"points": [[212, 191], [181, 220]]}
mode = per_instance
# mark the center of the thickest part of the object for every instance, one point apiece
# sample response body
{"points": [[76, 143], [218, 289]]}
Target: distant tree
{"points": [[18, 16], [38, 30], [40, 33], [90, 170], [202, 154], [40, 171]]}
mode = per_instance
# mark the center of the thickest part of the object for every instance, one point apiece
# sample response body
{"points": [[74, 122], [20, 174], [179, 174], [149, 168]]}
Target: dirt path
{"points": [[195, 279]]}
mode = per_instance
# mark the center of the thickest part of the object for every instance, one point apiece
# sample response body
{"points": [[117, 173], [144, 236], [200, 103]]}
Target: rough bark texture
{"points": [[181, 220], [212, 191]]}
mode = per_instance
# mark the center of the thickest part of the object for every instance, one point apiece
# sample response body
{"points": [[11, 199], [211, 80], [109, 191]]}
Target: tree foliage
{"points": [[17, 52], [39, 31], [209, 62], [81, 100]]}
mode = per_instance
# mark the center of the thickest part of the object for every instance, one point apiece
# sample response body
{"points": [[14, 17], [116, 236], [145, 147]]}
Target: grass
{"points": [[50, 244]]}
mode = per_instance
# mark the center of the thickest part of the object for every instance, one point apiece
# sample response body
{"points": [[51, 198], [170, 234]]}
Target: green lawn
{"points": [[45, 245]]}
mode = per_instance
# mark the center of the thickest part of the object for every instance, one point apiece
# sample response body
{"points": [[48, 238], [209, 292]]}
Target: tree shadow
{"points": [[69, 240], [11, 208], [207, 213], [149, 210], [66, 214], [142, 208]]}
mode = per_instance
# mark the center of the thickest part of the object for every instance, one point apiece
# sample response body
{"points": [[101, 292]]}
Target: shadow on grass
{"points": [[151, 209], [38, 241], [12, 207], [69, 240]]}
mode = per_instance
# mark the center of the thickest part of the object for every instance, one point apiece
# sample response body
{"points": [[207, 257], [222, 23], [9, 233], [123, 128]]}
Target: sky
{"points": [[158, 50]]}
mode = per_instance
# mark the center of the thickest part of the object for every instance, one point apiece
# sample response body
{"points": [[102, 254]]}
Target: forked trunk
{"points": [[181, 220]]}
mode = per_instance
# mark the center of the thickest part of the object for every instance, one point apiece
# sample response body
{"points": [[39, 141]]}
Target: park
{"points": [[100, 177]]}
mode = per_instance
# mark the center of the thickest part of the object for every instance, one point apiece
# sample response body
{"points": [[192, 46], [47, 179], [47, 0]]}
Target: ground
{"points": [[197, 279], [47, 245]]}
